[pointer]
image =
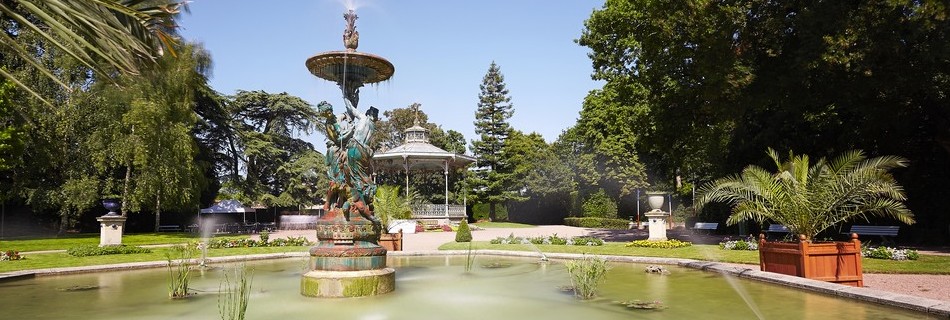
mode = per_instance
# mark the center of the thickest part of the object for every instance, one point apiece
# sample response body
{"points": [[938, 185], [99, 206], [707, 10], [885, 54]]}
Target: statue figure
{"points": [[349, 159], [351, 37]]}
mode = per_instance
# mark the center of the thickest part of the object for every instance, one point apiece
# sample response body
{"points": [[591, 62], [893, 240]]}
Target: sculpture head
{"points": [[373, 113]]}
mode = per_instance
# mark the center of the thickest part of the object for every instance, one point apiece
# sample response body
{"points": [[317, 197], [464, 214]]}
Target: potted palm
{"points": [[394, 212], [808, 199]]}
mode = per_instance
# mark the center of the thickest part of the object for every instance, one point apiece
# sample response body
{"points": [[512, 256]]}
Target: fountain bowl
{"points": [[362, 68]]}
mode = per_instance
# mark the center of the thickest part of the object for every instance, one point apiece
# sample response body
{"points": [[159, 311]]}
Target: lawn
{"points": [[927, 264], [61, 259], [69, 241]]}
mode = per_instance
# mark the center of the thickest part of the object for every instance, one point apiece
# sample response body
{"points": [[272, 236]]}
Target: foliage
{"points": [[179, 270], [248, 243], [482, 211], [12, 133], [741, 244], [388, 203], [811, 198], [705, 85], [550, 240], [889, 253], [101, 34], [464, 234], [586, 275], [94, 250], [10, 255], [541, 178], [493, 180], [235, 292], [599, 205], [600, 223], [667, 244]]}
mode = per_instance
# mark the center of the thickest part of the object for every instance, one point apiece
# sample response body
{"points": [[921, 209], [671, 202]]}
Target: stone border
{"points": [[920, 304]]}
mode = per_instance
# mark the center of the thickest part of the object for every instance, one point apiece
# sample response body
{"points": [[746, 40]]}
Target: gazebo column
{"points": [[446, 166], [405, 166]]}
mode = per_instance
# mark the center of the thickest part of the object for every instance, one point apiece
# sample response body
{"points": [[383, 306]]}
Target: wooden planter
{"points": [[838, 262], [391, 241]]}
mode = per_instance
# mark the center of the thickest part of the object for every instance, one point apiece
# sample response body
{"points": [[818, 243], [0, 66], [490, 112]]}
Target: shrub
{"points": [[599, 205], [889, 253], [600, 223], [247, 242], [741, 244], [668, 244], [480, 212], [587, 241], [464, 234], [10, 255], [94, 250]]}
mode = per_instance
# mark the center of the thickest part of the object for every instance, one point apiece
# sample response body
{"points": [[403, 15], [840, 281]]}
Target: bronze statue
{"points": [[351, 37]]}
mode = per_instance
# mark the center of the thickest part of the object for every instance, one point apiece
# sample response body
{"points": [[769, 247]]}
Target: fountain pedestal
{"points": [[657, 225], [347, 261], [110, 230]]}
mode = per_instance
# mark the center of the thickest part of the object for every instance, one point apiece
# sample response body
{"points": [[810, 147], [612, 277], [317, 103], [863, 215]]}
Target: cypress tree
{"points": [[492, 179]]}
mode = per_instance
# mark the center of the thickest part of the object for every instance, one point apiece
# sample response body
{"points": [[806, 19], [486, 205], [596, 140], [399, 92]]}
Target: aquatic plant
{"points": [[234, 293], [586, 275]]}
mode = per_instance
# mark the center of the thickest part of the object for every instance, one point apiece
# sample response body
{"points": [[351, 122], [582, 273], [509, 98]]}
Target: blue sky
{"points": [[440, 49]]}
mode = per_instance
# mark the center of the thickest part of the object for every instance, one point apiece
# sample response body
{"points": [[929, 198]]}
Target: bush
{"points": [[247, 242], [668, 244], [587, 241], [480, 212], [10, 255], [94, 250], [599, 205], [741, 244], [600, 223], [889, 253], [552, 239], [464, 234]]}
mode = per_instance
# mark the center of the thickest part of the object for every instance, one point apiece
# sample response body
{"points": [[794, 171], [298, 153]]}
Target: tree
{"points": [[103, 35], [264, 143], [492, 181], [718, 81], [811, 198], [544, 181]]}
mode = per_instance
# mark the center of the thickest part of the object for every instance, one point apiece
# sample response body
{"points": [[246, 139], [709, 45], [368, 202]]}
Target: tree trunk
{"points": [[125, 190], [491, 212], [63, 222], [158, 210]]}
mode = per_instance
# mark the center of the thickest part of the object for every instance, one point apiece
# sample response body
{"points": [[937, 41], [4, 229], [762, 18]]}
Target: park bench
{"points": [[169, 228], [777, 228], [706, 226], [885, 232]]}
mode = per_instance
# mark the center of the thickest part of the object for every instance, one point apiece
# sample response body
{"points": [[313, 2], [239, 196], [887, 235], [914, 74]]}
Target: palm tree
{"points": [[811, 198], [104, 35], [388, 204]]}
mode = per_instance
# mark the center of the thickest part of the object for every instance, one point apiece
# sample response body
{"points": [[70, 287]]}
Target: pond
{"points": [[434, 287]]}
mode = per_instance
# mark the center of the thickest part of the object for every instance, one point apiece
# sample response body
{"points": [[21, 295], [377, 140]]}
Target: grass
{"points": [[927, 264], [58, 260], [491, 225], [69, 241]]}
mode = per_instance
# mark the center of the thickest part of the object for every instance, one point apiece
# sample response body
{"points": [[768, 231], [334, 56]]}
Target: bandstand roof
{"points": [[419, 154]]}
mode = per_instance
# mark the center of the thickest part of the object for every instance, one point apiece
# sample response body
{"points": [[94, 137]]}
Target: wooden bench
{"points": [[169, 228], [706, 226], [777, 228], [885, 232]]}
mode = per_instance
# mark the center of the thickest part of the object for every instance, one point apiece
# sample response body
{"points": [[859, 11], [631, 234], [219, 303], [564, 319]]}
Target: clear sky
{"points": [[440, 49]]}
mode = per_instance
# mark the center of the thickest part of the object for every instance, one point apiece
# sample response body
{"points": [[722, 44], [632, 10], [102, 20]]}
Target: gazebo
{"points": [[417, 154]]}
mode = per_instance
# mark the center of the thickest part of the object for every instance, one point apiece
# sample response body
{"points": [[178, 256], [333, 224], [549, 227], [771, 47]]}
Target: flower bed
{"points": [[741, 244], [552, 239], [10, 255], [889, 253], [668, 244], [247, 242]]}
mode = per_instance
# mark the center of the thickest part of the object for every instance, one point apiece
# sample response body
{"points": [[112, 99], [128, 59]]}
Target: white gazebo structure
{"points": [[417, 154]]}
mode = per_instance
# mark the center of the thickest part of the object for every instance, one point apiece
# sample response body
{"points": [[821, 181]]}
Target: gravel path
{"points": [[920, 285]]}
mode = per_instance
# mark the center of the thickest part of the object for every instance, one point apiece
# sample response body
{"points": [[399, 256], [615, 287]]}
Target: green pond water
{"points": [[432, 288]]}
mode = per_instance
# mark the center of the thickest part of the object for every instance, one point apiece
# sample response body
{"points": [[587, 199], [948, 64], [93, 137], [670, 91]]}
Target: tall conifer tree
{"points": [[491, 182]]}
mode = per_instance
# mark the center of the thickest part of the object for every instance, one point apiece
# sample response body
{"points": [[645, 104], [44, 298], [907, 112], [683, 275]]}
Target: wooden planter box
{"points": [[391, 241], [838, 262]]}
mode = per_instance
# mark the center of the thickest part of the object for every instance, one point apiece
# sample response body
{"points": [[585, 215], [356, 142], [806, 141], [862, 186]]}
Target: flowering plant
{"points": [[10, 255], [748, 243], [889, 253]]}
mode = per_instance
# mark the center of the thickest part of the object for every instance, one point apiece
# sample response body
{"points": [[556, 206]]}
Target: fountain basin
{"points": [[358, 67], [340, 284], [437, 287]]}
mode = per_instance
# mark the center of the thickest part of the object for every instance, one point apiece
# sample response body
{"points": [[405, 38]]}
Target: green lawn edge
{"points": [[927, 264]]}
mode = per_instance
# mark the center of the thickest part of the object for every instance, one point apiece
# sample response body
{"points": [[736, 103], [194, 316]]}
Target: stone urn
{"points": [[112, 205], [655, 199]]}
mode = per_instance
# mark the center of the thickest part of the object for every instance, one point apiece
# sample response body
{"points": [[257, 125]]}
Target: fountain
{"points": [[347, 261]]}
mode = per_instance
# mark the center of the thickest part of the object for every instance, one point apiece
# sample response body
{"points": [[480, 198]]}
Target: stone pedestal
{"points": [[657, 225], [110, 230], [347, 261]]}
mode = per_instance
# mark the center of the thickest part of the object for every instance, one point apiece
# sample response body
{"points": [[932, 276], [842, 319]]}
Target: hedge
{"points": [[601, 223]]}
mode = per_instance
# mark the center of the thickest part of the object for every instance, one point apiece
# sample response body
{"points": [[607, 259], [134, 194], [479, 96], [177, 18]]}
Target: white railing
{"points": [[434, 211]]}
